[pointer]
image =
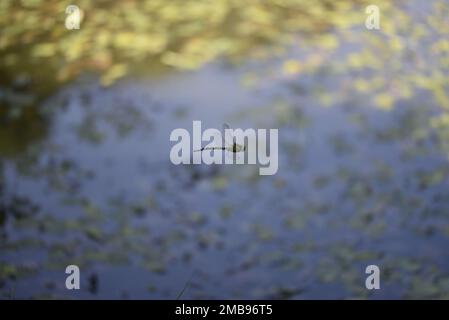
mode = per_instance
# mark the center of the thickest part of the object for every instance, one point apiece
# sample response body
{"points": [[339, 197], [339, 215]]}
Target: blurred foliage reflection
{"points": [[364, 144]]}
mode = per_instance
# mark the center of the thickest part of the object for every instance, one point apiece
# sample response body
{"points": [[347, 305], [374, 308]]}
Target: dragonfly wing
{"points": [[228, 138]]}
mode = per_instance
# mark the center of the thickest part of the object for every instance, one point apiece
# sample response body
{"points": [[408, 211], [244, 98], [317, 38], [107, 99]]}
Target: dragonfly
{"points": [[230, 143]]}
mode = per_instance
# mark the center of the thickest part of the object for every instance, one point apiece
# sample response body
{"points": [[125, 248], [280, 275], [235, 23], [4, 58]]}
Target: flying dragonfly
{"points": [[230, 142]]}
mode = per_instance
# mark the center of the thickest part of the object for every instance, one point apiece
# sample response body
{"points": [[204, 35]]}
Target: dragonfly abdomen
{"points": [[211, 148]]}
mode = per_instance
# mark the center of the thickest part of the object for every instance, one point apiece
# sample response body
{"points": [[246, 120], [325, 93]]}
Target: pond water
{"points": [[357, 184]]}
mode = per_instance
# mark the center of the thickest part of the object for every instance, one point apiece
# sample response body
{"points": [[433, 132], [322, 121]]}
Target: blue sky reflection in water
{"points": [[363, 179]]}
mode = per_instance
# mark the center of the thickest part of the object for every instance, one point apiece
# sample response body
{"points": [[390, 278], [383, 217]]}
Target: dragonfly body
{"points": [[234, 148], [231, 146]]}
